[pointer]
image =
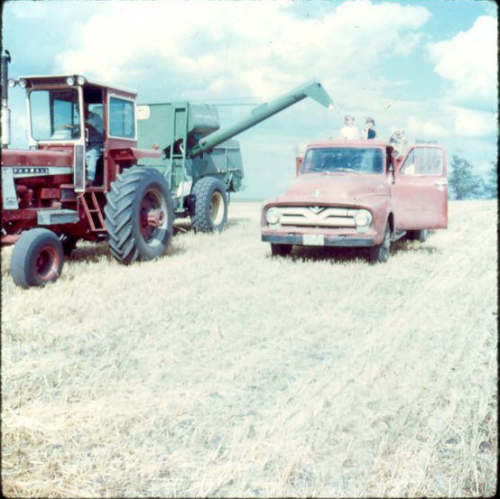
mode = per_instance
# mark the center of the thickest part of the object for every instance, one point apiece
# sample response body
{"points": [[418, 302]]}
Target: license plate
{"points": [[313, 239]]}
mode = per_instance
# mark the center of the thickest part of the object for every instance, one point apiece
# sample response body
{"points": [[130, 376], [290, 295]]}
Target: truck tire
{"points": [[37, 258], [281, 249], [381, 252], [419, 235], [138, 215], [210, 205]]}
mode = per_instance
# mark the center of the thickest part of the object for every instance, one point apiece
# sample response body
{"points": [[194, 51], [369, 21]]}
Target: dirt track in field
{"points": [[220, 371]]}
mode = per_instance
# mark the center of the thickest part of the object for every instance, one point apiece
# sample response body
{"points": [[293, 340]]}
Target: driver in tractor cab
{"points": [[95, 127]]}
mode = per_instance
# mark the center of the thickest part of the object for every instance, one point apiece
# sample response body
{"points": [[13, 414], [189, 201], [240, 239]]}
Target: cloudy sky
{"points": [[429, 67]]}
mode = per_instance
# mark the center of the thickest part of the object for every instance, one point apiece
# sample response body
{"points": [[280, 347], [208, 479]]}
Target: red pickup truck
{"points": [[357, 193]]}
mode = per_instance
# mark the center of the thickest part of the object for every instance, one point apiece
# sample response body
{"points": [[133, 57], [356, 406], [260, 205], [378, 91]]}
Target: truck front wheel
{"points": [[139, 215], [37, 258], [210, 205], [281, 249], [381, 252]]}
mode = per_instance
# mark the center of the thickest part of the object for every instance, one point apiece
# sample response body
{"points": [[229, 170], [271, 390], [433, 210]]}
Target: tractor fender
{"points": [[132, 154]]}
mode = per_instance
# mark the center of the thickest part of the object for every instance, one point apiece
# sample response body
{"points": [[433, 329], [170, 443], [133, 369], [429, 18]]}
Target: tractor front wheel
{"points": [[210, 205], [37, 258], [139, 215]]}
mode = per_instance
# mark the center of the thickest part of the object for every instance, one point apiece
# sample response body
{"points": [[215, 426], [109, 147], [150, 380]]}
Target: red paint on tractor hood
{"points": [[36, 157], [335, 188]]}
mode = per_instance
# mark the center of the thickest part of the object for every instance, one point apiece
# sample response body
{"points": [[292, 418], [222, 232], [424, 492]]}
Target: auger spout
{"points": [[312, 89]]}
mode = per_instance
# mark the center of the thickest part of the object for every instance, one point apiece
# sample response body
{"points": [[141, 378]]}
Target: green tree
{"points": [[492, 182], [464, 183]]}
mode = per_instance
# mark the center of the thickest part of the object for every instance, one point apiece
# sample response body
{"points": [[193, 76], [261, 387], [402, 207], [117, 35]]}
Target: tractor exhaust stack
{"points": [[5, 100]]}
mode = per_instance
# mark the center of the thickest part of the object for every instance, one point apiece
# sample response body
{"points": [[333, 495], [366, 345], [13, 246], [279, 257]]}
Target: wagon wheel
{"points": [[210, 209]]}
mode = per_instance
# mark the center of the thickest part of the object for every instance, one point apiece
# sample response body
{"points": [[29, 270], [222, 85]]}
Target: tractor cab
{"points": [[82, 120]]}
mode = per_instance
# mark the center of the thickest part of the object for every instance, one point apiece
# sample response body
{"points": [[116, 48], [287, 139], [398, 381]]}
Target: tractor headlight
{"points": [[11, 83], [80, 80], [273, 216], [362, 220], [70, 81], [22, 83]]}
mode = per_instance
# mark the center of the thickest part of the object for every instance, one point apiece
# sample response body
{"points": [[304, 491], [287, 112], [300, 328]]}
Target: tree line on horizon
{"points": [[464, 183]]}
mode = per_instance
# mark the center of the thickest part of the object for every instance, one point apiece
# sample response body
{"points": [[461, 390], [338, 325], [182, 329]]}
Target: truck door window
{"points": [[55, 114], [423, 161], [121, 118]]}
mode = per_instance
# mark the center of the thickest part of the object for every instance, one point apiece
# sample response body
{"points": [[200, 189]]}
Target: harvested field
{"points": [[220, 371]]}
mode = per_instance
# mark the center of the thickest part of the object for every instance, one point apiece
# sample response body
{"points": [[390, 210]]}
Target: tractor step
{"points": [[56, 217]]}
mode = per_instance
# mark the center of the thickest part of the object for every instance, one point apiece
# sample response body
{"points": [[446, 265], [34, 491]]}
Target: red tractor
{"points": [[80, 178], [48, 201]]}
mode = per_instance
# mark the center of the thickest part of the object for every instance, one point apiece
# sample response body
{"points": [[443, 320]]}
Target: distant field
{"points": [[220, 371]]}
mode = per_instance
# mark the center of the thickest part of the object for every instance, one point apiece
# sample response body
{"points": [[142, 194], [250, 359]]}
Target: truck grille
{"points": [[317, 216]]}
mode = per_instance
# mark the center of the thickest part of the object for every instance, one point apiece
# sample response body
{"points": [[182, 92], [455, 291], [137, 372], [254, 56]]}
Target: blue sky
{"points": [[429, 67]]}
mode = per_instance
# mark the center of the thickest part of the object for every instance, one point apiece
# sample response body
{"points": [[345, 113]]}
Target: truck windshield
{"points": [[55, 114], [344, 159]]}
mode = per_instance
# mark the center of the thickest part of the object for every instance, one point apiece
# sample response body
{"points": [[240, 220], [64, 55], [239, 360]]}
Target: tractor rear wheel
{"points": [[37, 258], [210, 205], [139, 215]]}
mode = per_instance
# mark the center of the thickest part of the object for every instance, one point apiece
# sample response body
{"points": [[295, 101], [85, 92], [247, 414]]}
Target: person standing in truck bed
{"points": [[349, 130], [369, 132]]}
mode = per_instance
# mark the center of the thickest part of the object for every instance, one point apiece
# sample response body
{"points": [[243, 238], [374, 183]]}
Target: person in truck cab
{"points": [[95, 127], [349, 130], [369, 132]]}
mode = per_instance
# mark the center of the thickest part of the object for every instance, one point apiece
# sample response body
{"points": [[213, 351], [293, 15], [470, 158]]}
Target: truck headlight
{"points": [[273, 216], [362, 219]]}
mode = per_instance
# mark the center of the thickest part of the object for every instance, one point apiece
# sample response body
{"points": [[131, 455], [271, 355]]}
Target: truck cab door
{"points": [[420, 189]]}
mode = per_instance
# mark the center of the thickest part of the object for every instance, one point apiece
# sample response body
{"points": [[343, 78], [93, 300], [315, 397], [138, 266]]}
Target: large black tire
{"points": [[281, 249], [210, 205], [138, 215], [381, 252], [37, 258], [419, 235]]}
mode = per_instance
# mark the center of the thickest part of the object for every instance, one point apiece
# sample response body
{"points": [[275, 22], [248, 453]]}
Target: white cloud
{"points": [[251, 48], [425, 129], [472, 124], [469, 61]]}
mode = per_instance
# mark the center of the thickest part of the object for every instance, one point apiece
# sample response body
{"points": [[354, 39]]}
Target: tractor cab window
{"points": [[55, 114], [121, 118]]}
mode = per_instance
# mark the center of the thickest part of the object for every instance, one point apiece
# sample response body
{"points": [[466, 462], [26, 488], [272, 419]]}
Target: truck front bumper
{"points": [[341, 240]]}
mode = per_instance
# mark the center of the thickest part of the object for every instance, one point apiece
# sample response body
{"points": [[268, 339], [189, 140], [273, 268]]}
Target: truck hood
{"points": [[337, 188], [36, 157]]}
